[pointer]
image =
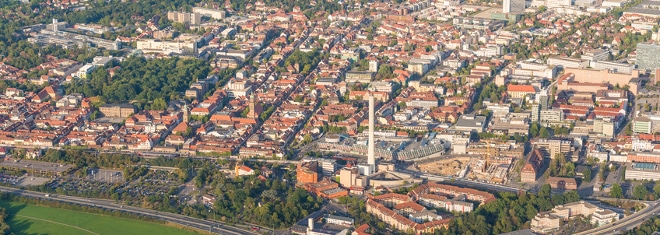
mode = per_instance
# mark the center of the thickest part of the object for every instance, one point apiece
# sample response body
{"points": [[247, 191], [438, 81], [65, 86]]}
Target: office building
{"points": [[515, 6], [647, 56]]}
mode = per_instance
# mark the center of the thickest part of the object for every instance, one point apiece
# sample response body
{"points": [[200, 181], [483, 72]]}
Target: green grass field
{"points": [[33, 219]]}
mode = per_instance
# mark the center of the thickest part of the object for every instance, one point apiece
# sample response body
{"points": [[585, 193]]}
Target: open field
{"points": [[33, 219]]}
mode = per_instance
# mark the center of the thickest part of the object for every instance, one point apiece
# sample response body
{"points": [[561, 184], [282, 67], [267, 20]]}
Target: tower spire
{"points": [[186, 113]]}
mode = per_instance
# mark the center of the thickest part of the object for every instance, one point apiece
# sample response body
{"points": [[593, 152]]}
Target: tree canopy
{"points": [[142, 81]]}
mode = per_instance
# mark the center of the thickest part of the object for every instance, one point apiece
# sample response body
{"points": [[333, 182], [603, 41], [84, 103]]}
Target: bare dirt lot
{"points": [[449, 166]]}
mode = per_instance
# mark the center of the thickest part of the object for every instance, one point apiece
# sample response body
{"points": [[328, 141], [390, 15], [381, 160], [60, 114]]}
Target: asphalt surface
{"points": [[200, 224]]}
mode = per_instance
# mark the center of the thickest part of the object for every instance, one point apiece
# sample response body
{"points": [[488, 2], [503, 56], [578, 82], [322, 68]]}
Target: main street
{"points": [[187, 221]]}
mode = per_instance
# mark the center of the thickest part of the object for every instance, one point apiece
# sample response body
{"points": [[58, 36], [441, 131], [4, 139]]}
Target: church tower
{"points": [[186, 113], [252, 113]]}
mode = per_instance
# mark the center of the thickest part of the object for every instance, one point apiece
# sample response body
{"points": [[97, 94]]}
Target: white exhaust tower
{"points": [[371, 154]]}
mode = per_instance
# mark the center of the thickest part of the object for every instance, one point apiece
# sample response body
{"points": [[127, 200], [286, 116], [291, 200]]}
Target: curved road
{"points": [[627, 223], [187, 221]]}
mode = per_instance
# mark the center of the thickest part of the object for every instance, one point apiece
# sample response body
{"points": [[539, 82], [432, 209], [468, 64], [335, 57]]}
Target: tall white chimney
{"points": [[371, 154], [54, 25]]}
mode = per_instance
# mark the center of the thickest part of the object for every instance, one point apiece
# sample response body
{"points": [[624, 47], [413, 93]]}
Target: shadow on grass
{"points": [[17, 226]]}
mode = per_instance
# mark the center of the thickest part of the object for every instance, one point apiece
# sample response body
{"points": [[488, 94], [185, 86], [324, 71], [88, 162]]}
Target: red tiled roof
{"points": [[521, 88]]}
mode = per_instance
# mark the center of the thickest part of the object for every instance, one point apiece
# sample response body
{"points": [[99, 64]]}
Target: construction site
{"points": [[484, 161]]}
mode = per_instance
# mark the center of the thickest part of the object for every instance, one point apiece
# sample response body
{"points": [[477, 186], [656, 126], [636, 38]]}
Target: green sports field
{"points": [[32, 219]]}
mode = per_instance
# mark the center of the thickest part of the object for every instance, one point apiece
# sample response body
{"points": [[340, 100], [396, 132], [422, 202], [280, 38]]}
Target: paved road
{"points": [[186, 221], [626, 223]]}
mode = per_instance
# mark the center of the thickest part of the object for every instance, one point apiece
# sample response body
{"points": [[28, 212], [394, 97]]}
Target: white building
{"points": [[213, 13], [84, 71]]}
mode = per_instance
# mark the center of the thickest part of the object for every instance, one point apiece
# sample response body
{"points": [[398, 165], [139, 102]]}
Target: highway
{"points": [[200, 224], [626, 223]]}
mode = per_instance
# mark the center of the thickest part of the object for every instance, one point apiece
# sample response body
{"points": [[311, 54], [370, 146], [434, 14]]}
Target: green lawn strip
{"points": [[45, 221]]}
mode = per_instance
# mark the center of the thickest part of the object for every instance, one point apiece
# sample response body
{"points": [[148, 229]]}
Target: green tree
{"points": [[544, 133], [587, 174], [656, 189], [640, 192], [534, 129], [616, 191]]}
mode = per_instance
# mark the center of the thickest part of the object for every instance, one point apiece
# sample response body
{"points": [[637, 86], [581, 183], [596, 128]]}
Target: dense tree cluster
{"points": [[116, 12], [304, 61], [647, 228], [142, 81], [4, 227], [84, 160], [508, 213], [288, 5], [560, 167], [268, 202]]}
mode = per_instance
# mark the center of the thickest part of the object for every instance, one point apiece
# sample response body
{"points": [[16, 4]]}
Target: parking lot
{"points": [[31, 180], [104, 175]]}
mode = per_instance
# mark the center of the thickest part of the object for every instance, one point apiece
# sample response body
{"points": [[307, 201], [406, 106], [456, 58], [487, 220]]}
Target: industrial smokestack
{"points": [[371, 154], [310, 224], [54, 25]]}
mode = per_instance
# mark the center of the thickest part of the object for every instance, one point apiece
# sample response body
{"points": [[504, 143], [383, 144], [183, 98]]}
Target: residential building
{"points": [[562, 183], [185, 17], [117, 110], [243, 170], [307, 172], [650, 157], [359, 76], [551, 116], [530, 170], [554, 147], [546, 222], [520, 91]]}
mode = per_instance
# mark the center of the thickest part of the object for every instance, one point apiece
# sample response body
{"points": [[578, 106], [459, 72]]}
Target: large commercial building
{"points": [[213, 13], [642, 171], [614, 66], [161, 46], [566, 62], [647, 56]]}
